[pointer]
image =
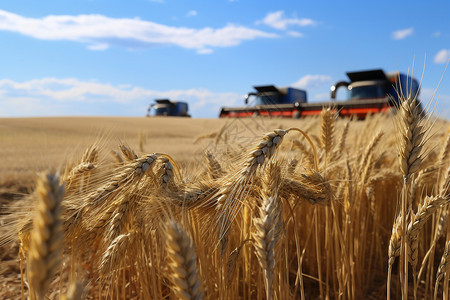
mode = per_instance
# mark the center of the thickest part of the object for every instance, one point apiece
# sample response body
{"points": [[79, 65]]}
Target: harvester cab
{"points": [[376, 84], [165, 107], [271, 95], [268, 100]]}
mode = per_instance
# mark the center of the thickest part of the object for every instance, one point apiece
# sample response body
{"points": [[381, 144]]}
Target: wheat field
{"points": [[168, 208]]}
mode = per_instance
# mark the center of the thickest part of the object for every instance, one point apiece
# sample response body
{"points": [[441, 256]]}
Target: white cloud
{"points": [[98, 47], [191, 13], [442, 57], [70, 96], [322, 96], [100, 32], [205, 51], [403, 33], [278, 21], [311, 81], [295, 33]]}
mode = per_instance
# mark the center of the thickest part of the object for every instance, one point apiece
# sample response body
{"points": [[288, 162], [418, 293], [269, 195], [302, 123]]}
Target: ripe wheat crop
{"points": [[321, 209]]}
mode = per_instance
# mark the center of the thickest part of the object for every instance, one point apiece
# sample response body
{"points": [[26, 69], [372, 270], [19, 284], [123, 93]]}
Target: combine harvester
{"points": [[368, 92], [165, 107]]}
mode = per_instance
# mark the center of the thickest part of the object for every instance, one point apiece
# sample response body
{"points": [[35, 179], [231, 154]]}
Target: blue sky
{"points": [[112, 58]]}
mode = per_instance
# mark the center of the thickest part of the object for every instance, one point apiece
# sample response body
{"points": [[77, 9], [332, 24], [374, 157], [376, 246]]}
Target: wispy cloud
{"points": [[295, 33], [277, 20], [98, 47], [70, 96], [205, 51], [442, 57], [403, 33], [311, 81], [322, 96], [100, 32], [191, 13], [436, 34]]}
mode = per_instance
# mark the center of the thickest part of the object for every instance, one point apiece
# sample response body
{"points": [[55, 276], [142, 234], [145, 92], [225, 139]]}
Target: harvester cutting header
{"points": [[368, 92]]}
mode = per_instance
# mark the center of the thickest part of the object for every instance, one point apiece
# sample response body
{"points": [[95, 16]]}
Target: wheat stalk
{"points": [[307, 157], [75, 291], [232, 262]]}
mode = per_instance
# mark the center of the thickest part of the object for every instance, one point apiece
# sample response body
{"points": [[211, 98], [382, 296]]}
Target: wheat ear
{"points": [[328, 118], [229, 198], [424, 211], [343, 138], [412, 132], [46, 236], [165, 171], [132, 171], [367, 154], [444, 267], [311, 186], [127, 152], [444, 155], [268, 226], [115, 253], [412, 135], [183, 265], [214, 168], [291, 166], [394, 249]]}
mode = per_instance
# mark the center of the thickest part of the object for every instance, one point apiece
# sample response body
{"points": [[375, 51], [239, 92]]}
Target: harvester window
{"points": [[267, 99], [366, 92], [162, 111]]}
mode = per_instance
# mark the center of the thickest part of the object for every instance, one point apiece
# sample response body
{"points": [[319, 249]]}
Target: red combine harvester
{"points": [[368, 92]]}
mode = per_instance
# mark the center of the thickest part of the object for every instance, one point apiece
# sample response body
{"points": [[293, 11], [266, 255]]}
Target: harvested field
{"points": [[224, 209]]}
